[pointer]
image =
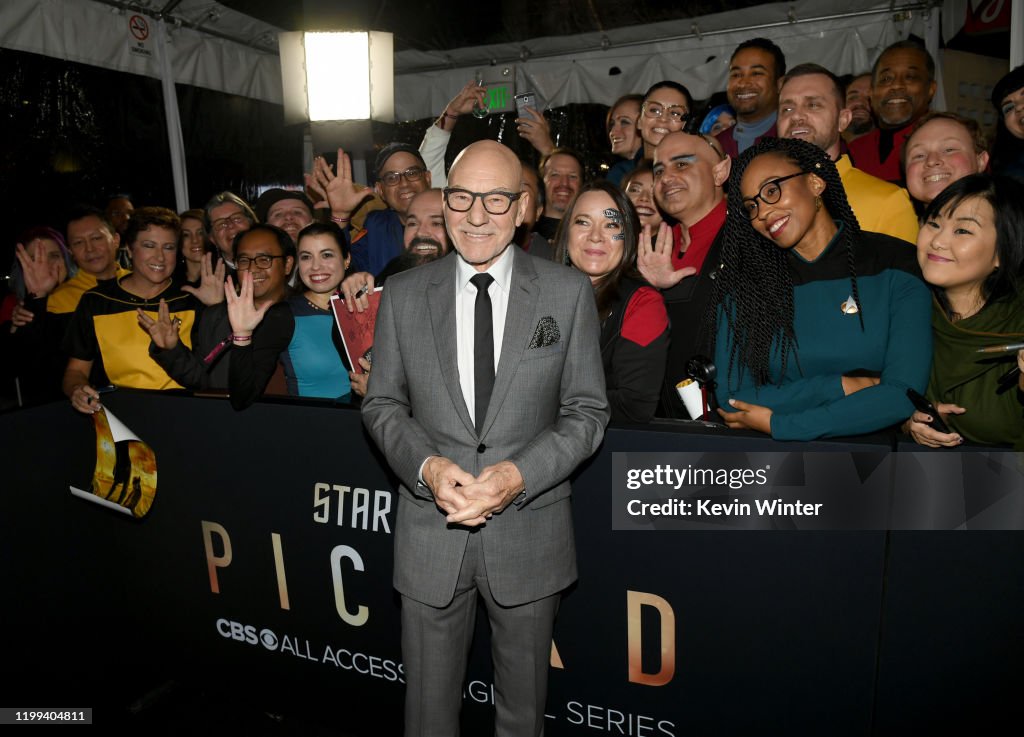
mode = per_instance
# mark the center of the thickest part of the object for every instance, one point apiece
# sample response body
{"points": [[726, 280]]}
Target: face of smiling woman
{"points": [[669, 104], [595, 235], [957, 251], [321, 265], [153, 259], [796, 219]]}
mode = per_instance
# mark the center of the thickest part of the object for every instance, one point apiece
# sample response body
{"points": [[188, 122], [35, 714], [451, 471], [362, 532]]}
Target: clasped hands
{"points": [[469, 500]]}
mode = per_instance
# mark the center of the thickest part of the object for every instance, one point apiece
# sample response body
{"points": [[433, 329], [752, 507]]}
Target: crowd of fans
{"points": [[769, 235]]}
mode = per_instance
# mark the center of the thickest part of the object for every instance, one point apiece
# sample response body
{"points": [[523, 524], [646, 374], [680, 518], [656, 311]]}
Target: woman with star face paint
{"points": [[599, 236], [971, 252], [817, 328]]}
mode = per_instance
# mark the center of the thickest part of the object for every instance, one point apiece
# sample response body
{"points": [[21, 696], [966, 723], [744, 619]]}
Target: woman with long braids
{"points": [[820, 327]]}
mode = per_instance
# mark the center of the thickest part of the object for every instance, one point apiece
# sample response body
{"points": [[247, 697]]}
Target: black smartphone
{"points": [[923, 405]]}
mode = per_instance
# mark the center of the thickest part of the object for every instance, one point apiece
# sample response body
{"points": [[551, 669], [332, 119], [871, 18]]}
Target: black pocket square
{"points": [[546, 333]]}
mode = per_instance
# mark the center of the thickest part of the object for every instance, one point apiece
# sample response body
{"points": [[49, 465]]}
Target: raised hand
{"points": [[338, 191], [654, 260], [211, 282], [471, 94], [243, 313], [163, 330], [536, 129], [40, 274]]}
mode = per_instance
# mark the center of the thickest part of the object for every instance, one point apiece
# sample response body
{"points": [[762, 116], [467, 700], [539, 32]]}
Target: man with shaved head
{"points": [[487, 391], [689, 179]]}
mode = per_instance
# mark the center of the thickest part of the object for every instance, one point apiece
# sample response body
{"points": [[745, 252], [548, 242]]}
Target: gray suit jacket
{"points": [[547, 414]]}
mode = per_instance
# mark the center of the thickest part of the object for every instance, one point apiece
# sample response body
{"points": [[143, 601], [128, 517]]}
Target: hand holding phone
{"points": [[922, 404], [523, 101]]}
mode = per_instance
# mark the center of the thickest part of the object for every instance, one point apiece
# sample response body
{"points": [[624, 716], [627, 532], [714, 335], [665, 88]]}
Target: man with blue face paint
{"points": [[689, 175]]}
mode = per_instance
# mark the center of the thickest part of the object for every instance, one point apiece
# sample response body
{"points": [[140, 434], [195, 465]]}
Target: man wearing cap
{"points": [[288, 210], [401, 175]]}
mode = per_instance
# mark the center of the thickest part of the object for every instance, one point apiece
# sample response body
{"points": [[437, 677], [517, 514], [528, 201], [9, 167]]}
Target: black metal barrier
{"points": [[264, 569]]}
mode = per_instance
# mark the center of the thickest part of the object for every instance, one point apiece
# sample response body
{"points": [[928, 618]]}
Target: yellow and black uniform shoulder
{"points": [[105, 331]]}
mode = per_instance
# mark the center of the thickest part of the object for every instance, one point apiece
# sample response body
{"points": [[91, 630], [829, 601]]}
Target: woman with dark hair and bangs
{"points": [[599, 236], [971, 251], [817, 327]]}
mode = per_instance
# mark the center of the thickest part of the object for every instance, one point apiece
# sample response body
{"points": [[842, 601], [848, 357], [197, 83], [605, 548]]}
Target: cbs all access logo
{"points": [[364, 664]]}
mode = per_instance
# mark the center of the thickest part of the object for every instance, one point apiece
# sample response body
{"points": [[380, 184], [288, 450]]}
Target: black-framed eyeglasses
{"points": [[496, 202], [244, 263], [412, 174], [769, 194], [657, 110]]}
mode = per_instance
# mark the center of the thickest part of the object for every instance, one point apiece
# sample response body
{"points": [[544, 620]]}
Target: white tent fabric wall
{"points": [[846, 39], [97, 34]]}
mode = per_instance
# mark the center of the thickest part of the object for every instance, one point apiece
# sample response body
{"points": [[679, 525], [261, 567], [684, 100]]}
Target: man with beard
{"points": [[401, 175], [858, 100], [811, 109], [562, 173], [754, 72], [902, 88], [424, 239]]}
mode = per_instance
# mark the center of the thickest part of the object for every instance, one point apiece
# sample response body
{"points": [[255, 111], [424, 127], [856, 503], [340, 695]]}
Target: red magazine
{"points": [[356, 328]]}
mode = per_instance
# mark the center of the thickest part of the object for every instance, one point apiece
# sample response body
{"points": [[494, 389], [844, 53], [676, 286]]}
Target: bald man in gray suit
{"points": [[486, 392]]}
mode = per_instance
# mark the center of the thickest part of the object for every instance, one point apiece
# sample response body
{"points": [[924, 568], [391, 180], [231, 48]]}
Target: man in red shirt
{"points": [[689, 175], [902, 88]]}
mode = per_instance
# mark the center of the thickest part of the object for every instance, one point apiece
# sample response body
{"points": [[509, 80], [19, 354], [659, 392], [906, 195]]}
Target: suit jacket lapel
{"points": [[441, 302], [520, 322]]}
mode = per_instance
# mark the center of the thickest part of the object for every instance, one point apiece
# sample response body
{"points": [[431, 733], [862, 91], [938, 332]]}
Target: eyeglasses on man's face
{"points": [[412, 174], [769, 194], [496, 202], [237, 220], [244, 263]]}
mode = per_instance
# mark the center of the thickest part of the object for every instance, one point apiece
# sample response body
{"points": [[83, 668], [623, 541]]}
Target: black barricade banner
{"points": [[264, 573]]}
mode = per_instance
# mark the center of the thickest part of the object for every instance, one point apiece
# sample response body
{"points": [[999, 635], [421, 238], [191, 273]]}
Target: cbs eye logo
{"points": [[247, 633]]}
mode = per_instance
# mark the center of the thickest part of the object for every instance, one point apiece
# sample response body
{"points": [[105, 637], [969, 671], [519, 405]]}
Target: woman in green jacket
{"points": [[971, 251]]}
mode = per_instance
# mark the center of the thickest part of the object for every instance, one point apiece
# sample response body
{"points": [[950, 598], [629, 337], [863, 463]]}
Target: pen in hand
{"points": [[1009, 348]]}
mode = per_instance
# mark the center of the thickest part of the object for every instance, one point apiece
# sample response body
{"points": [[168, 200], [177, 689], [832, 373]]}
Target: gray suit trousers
{"points": [[435, 649]]}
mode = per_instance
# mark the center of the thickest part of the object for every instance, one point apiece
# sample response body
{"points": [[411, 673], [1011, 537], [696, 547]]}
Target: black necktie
{"points": [[483, 348]]}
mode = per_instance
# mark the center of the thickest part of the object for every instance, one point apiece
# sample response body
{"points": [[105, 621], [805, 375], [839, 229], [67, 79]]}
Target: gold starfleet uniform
{"points": [[105, 330], [64, 299]]}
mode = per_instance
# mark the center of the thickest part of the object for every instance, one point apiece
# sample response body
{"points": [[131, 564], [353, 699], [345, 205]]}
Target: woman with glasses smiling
{"points": [[817, 327], [666, 109]]}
